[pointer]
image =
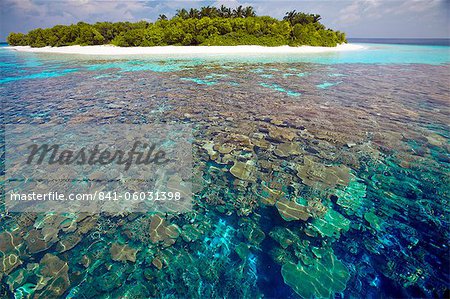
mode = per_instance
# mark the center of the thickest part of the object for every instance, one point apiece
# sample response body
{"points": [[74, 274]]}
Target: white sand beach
{"points": [[188, 50]]}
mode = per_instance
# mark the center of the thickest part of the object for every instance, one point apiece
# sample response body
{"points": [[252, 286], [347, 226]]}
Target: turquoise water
{"points": [[277, 87], [18, 66], [327, 84], [199, 81]]}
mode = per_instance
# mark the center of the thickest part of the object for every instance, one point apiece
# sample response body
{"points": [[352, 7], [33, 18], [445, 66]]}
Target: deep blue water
{"points": [[403, 41]]}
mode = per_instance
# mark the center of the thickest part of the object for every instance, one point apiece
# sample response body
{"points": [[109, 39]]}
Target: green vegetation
{"points": [[209, 26]]}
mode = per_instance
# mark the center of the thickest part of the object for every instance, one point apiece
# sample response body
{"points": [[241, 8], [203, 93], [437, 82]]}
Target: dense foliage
{"points": [[208, 26]]}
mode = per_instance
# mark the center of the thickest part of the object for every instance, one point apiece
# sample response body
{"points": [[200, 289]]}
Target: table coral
{"points": [[122, 253], [161, 231], [290, 210], [325, 277]]}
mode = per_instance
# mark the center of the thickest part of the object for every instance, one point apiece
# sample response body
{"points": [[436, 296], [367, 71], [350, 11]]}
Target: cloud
{"points": [[356, 17], [79, 10], [359, 9], [374, 9], [420, 5]]}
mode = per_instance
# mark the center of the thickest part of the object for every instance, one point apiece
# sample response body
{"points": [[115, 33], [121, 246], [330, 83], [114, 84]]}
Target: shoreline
{"points": [[188, 50]]}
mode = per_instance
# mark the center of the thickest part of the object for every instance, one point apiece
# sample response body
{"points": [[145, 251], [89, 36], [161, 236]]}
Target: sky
{"points": [[358, 18]]}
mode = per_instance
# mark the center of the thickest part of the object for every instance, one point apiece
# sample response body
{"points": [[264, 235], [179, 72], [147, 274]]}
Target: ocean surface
{"points": [[403, 41], [345, 192]]}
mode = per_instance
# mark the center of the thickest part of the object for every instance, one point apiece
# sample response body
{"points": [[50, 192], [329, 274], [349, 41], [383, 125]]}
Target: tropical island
{"points": [[208, 26]]}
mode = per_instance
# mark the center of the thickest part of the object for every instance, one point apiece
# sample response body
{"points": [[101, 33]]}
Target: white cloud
{"points": [[359, 9], [356, 17]]}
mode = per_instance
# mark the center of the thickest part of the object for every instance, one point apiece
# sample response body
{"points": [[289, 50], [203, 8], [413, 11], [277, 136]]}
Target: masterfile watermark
{"points": [[106, 168], [140, 153]]}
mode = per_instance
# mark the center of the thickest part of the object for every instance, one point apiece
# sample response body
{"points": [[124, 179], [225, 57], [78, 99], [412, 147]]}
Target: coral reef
{"points": [[334, 192], [322, 279]]}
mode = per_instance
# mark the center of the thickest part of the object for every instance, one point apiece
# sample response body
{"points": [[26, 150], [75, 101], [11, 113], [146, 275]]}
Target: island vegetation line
{"points": [[208, 26]]}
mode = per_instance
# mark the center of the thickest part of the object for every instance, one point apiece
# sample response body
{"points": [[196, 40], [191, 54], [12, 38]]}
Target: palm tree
{"points": [[208, 11], [238, 12], [224, 11], [182, 13], [162, 17], [194, 13], [316, 18], [249, 11], [214, 12], [290, 16]]}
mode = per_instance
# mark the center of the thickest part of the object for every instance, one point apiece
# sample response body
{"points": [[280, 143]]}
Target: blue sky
{"points": [[358, 18]]}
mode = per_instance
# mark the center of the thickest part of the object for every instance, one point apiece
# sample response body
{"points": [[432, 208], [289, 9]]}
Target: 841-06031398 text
{"points": [[100, 196]]}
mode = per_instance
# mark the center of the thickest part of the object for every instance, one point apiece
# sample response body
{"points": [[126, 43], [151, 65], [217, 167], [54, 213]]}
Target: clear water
{"points": [[17, 65], [369, 156]]}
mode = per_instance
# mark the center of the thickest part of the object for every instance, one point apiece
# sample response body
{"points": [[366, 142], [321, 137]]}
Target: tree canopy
{"points": [[210, 26]]}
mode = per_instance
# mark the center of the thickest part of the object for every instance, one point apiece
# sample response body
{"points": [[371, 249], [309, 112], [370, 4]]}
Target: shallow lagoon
{"points": [[14, 63], [355, 142]]}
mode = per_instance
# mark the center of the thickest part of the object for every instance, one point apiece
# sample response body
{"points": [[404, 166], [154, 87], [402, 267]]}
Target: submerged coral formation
{"points": [[321, 279], [336, 192]]}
